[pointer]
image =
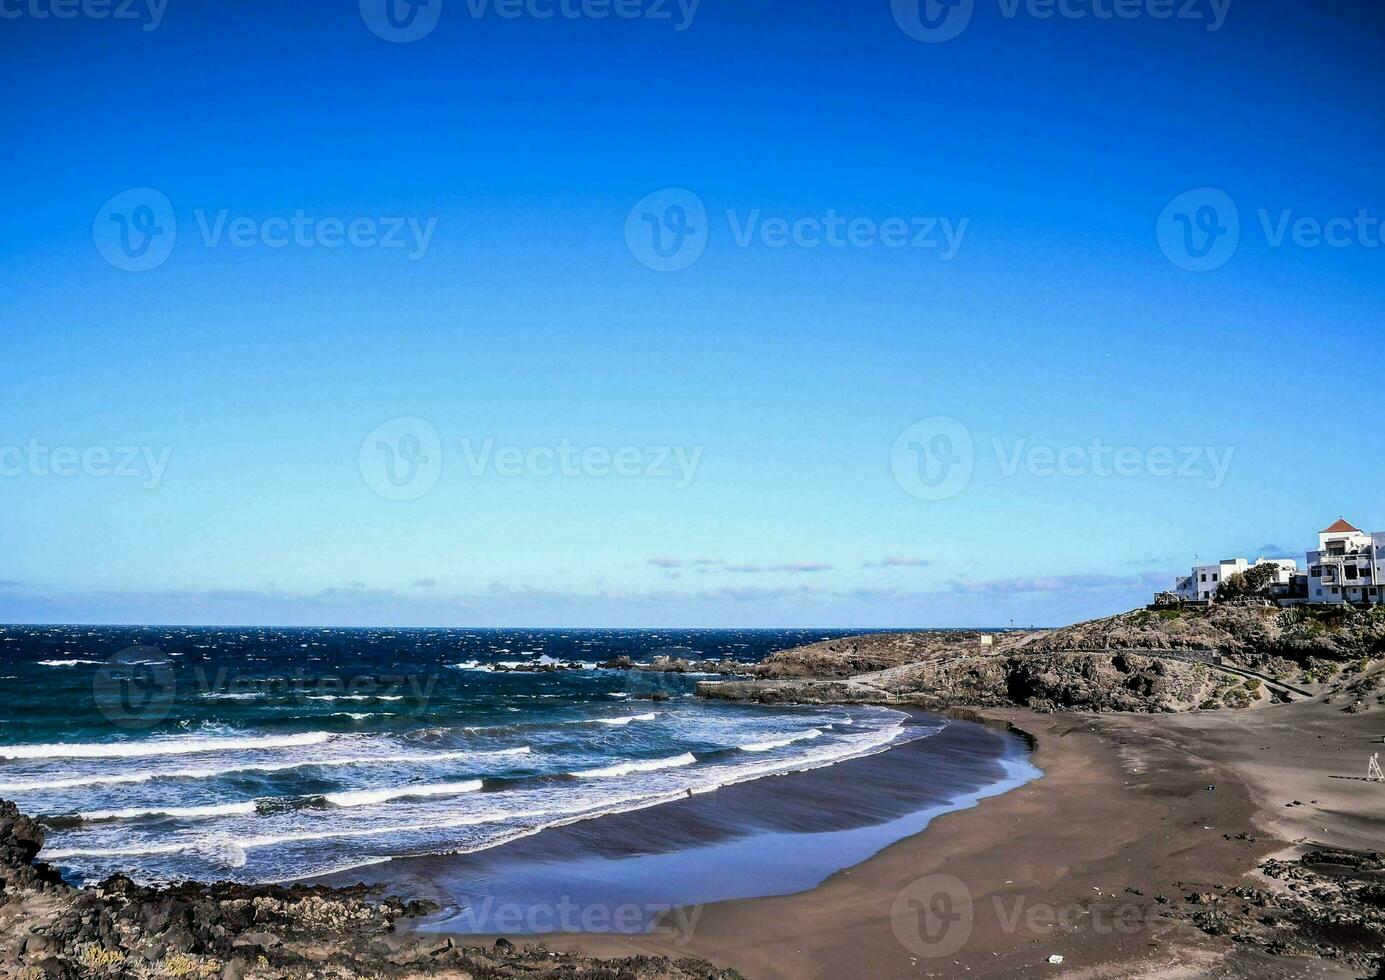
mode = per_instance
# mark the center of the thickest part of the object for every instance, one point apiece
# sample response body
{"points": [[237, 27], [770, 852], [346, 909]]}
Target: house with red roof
{"points": [[1349, 565]]}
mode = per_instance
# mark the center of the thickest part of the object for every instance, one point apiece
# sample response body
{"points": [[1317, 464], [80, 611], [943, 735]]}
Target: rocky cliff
{"points": [[1043, 682], [1137, 661]]}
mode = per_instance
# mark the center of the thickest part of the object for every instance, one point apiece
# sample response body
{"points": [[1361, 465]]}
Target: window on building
{"points": [[1316, 571]]}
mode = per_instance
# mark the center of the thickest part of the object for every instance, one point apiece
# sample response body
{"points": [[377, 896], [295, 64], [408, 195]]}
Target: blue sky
{"points": [[775, 405]]}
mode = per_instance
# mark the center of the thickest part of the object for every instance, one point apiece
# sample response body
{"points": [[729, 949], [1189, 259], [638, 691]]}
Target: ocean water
{"points": [[258, 754]]}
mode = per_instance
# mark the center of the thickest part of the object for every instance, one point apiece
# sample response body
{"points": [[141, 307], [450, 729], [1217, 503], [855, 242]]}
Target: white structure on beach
{"points": [[1348, 567]]}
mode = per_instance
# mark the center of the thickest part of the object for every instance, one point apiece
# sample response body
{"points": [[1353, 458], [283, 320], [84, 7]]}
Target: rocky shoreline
{"points": [[1142, 661], [117, 929], [1323, 901]]}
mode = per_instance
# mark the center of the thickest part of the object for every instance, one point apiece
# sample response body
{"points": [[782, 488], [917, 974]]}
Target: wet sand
{"points": [[1133, 813], [776, 835], [1131, 809]]}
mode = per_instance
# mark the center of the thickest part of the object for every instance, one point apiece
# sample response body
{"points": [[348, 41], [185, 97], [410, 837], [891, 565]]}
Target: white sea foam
{"points": [[67, 663], [365, 797], [171, 746], [355, 697], [781, 742], [519, 811], [626, 768], [628, 718], [108, 779], [221, 845], [181, 812]]}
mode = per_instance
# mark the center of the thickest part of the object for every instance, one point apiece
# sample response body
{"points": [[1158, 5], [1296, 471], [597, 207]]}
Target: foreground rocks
{"points": [[1328, 903], [118, 929]]}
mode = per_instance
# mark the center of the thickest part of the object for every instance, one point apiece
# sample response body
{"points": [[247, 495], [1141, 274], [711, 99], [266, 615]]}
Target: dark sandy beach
{"points": [[779, 835], [1133, 812]]}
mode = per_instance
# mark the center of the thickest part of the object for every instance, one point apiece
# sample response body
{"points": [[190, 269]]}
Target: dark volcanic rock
{"points": [[21, 838], [1338, 914], [119, 929]]}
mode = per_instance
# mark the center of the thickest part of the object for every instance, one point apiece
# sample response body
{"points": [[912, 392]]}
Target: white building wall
{"points": [[1368, 586], [1334, 584]]}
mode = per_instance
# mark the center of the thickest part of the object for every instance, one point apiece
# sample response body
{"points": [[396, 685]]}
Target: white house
{"points": [[1349, 566], [1201, 585]]}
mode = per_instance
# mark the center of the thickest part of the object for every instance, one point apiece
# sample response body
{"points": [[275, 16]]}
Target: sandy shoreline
{"points": [[776, 835], [1085, 863]]}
